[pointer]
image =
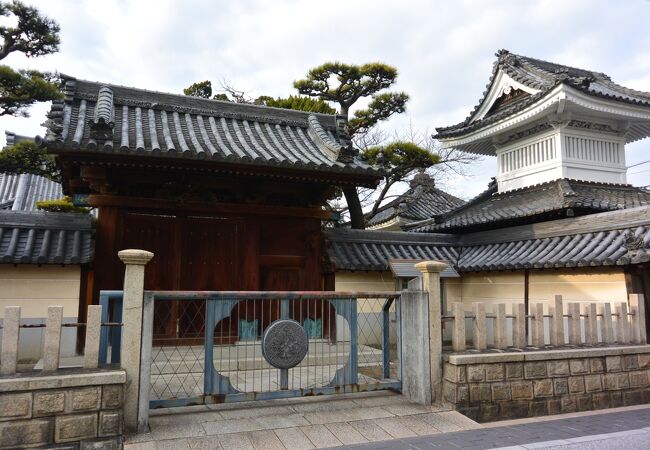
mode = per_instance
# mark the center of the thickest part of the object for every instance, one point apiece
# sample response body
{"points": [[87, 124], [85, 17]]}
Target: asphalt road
{"points": [[628, 430]]}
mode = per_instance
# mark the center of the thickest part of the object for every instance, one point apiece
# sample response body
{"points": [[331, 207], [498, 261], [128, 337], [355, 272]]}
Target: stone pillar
{"points": [[131, 349], [431, 284]]}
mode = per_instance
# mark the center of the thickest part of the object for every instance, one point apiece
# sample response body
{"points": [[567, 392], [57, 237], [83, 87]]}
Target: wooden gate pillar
{"points": [[135, 419]]}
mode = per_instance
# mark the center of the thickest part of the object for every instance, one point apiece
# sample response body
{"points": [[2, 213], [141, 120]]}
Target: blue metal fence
{"points": [[111, 302], [215, 354]]}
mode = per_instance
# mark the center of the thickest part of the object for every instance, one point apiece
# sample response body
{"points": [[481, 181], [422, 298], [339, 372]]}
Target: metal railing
{"points": [[207, 345]]}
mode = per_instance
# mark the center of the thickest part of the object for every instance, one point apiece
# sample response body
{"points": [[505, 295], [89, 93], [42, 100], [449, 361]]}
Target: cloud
{"points": [[444, 50]]}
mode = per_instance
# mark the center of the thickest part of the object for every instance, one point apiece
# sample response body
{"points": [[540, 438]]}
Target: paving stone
{"points": [[459, 419], [440, 422], [325, 406], [370, 430], [291, 420], [294, 438], [251, 413], [151, 445], [387, 398], [203, 443], [75, 427], [231, 426], [407, 409], [395, 427], [320, 436], [236, 441], [420, 427], [15, 406], [111, 443], [346, 433], [48, 403], [173, 444], [265, 439], [322, 417], [181, 430], [366, 413]]}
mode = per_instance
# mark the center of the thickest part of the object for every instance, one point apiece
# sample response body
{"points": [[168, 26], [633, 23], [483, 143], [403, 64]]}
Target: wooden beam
{"points": [[219, 208]]}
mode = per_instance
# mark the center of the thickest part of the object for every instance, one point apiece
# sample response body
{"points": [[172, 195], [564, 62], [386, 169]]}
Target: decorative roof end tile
{"points": [[101, 125]]}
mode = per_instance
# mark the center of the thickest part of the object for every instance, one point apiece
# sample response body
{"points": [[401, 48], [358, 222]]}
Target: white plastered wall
{"points": [[369, 310], [34, 288]]}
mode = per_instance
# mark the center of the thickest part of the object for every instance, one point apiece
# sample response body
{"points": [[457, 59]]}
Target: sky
{"points": [[444, 51]]}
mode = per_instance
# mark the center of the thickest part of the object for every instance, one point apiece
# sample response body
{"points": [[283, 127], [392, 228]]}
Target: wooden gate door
{"points": [[191, 254]]}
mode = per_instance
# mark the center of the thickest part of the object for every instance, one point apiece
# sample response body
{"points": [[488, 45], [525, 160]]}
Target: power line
{"points": [[638, 164]]}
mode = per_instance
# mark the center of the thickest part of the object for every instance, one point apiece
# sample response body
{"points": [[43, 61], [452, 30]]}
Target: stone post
{"points": [[431, 284], [131, 349]]}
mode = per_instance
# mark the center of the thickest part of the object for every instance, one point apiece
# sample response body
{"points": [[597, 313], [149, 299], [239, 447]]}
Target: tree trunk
{"points": [[354, 206]]}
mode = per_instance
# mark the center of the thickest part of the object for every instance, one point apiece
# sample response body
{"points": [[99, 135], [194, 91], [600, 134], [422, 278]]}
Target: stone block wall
{"points": [[70, 409], [488, 387]]}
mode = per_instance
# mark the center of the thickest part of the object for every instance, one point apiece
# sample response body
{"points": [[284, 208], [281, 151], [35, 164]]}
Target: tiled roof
{"points": [[542, 76], [605, 239], [96, 117], [422, 201], [371, 250], [554, 199], [21, 192], [45, 238]]}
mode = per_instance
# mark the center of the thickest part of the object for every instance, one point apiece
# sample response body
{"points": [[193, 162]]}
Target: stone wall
{"points": [[74, 409], [497, 386]]}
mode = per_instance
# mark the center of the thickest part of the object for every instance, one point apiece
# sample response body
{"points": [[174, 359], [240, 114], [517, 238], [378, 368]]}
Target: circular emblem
{"points": [[284, 344]]}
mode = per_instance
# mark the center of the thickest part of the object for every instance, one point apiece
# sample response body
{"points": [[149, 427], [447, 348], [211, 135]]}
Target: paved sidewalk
{"points": [[311, 422], [623, 428]]}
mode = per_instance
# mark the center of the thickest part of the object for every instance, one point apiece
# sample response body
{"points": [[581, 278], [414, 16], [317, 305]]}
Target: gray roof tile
{"points": [[45, 238], [544, 76], [20, 192], [491, 209], [611, 238], [96, 117], [422, 201]]}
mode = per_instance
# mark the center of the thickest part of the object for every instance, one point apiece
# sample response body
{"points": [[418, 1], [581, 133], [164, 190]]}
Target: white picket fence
{"points": [[586, 323], [52, 342]]}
